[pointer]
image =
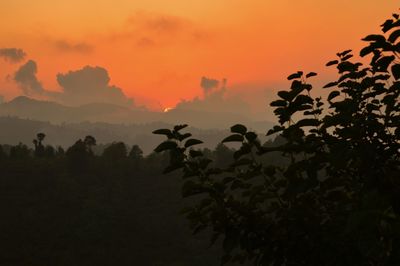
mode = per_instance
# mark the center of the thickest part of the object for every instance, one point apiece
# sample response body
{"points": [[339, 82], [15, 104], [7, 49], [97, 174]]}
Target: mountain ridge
{"points": [[29, 108]]}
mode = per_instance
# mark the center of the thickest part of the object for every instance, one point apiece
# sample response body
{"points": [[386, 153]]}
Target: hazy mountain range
{"points": [[24, 107], [22, 118]]}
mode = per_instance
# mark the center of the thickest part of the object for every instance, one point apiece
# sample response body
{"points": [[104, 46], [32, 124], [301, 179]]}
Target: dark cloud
{"points": [[26, 79], [65, 46], [90, 85], [1, 99], [12, 55]]}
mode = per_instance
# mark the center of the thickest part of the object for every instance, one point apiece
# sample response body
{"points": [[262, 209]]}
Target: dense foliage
{"points": [[336, 199], [76, 208]]}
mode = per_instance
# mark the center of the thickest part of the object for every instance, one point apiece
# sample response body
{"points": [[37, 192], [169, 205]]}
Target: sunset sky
{"points": [[156, 51]]}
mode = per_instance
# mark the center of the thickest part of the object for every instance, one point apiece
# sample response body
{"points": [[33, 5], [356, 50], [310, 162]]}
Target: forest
{"points": [[73, 207]]}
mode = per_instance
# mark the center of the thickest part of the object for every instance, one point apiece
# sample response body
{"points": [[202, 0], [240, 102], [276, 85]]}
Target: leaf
{"points": [[375, 38], [194, 153], [238, 128], [251, 136], [387, 25], [283, 114], [383, 63], [344, 53], [366, 50], [199, 228], [308, 87], [396, 71], [285, 95], [331, 84], [214, 238], [295, 75], [311, 74], [296, 85], [269, 170], [308, 123], [192, 142], [281, 183], [179, 127], [245, 149], [233, 138], [333, 62], [166, 145], [184, 136], [214, 171], [191, 188], [390, 24], [278, 103], [347, 66], [242, 161], [303, 99], [347, 57], [225, 259], [204, 162], [275, 130], [228, 179], [333, 94], [163, 131], [393, 36], [172, 168]]}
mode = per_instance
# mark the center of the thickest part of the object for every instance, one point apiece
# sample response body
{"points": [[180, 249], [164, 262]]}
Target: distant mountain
{"points": [[28, 108], [217, 120], [25, 107], [15, 130]]}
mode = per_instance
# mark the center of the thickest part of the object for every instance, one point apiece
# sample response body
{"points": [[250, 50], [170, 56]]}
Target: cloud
{"points": [[83, 86], [159, 23], [82, 48], [208, 84], [147, 29], [12, 55], [259, 94], [26, 79], [90, 85], [145, 42], [165, 23], [215, 99]]}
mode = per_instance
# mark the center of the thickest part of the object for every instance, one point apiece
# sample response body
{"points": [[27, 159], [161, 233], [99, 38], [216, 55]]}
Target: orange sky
{"points": [[157, 50]]}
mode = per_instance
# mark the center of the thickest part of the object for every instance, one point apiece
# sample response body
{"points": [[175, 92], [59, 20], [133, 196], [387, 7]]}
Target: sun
{"points": [[166, 110]]}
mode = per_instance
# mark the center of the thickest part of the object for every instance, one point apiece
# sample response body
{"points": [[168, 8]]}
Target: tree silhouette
{"points": [[3, 154], [223, 155], [336, 200], [136, 152], [49, 151], [39, 148], [79, 154], [90, 141], [116, 151]]}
